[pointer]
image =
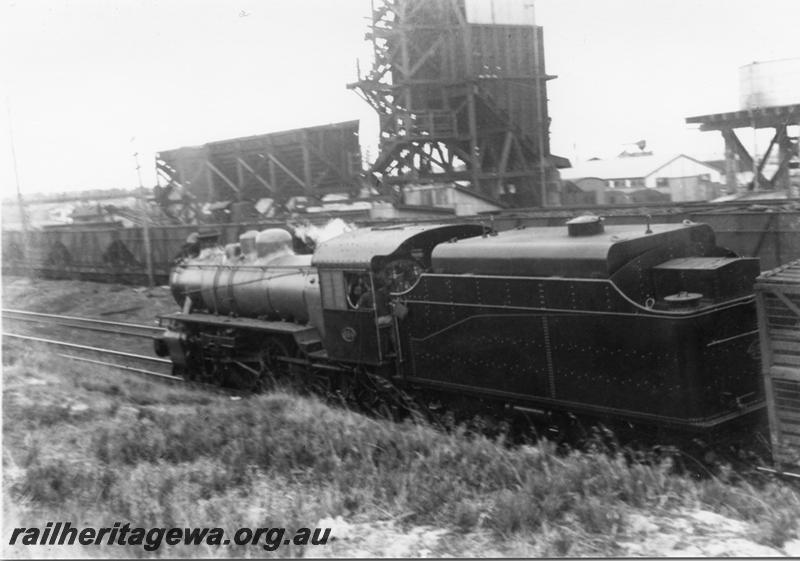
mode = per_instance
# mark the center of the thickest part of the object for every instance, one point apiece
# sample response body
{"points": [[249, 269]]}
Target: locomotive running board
{"points": [[242, 323]]}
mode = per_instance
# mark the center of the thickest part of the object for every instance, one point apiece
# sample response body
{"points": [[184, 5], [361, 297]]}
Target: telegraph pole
{"points": [[26, 256], [145, 225]]}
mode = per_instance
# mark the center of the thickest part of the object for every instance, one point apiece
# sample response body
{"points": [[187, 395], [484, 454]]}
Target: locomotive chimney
{"points": [[586, 225]]}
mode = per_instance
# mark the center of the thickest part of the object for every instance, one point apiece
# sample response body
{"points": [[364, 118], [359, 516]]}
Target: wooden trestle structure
{"points": [[460, 101], [738, 158], [309, 161]]}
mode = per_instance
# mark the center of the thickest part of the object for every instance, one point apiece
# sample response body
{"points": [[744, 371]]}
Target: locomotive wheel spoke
{"points": [[248, 377], [269, 367], [261, 372]]}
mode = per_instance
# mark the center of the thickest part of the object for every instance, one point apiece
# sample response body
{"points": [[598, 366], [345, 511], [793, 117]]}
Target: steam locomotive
{"points": [[644, 324]]}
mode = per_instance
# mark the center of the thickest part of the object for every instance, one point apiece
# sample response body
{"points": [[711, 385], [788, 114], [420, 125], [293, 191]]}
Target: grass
{"points": [[158, 456]]}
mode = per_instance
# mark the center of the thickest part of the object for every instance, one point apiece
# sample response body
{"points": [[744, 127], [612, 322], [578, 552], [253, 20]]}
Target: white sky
{"points": [[90, 82]]}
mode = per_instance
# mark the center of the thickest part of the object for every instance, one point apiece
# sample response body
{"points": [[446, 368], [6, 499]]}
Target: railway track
{"points": [[89, 324], [125, 361], [130, 362]]}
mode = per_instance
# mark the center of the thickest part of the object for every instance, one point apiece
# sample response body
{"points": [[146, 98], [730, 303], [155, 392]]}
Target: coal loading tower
{"points": [[461, 92]]}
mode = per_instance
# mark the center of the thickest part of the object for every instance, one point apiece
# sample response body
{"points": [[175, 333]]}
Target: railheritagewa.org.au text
{"points": [[151, 539]]}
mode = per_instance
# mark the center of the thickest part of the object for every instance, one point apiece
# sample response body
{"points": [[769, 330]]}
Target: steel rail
{"points": [[234, 394], [123, 367], [88, 348], [90, 324]]}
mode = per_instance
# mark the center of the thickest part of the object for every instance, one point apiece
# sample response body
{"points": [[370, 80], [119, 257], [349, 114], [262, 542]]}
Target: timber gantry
{"points": [[460, 101]]}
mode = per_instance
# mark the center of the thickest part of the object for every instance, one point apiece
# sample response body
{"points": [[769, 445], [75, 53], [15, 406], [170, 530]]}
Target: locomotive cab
{"points": [[361, 273]]}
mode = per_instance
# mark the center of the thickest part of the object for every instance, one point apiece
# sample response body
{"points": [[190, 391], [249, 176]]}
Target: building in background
{"points": [[463, 201], [641, 178]]}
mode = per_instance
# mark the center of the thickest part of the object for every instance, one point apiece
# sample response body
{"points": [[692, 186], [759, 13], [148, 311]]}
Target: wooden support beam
{"points": [[521, 159], [309, 180], [321, 155], [273, 176], [167, 175], [783, 166], [782, 180], [409, 14], [460, 153], [239, 173], [198, 172], [730, 166], [209, 181], [319, 178], [222, 176], [286, 170], [788, 303], [260, 179], [181, 173], [733, 141], [403, 66], [779, 132], [768, 227], [438, 158], [506, 150], [446, 163], [429, 52]]}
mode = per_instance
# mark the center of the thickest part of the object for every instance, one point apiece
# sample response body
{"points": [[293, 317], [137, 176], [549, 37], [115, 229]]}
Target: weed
{"points": [[158, 457]]}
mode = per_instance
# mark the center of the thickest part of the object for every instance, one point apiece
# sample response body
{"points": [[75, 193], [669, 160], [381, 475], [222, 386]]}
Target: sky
{"points": [[85, 84]]}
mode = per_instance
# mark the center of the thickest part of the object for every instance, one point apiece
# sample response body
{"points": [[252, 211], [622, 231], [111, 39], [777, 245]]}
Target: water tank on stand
{"points": [[769, 83]]}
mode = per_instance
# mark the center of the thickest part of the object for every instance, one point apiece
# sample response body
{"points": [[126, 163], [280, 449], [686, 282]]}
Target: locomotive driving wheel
{"points": [[263, 372], [270, 367]]}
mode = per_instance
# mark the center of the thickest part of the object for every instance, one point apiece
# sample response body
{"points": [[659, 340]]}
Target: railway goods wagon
{"points": [[105, 252], [778, 300], [651, 324]]}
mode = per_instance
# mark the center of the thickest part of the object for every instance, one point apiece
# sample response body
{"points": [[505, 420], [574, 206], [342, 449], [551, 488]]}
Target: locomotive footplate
{"points": [[236, 322]]}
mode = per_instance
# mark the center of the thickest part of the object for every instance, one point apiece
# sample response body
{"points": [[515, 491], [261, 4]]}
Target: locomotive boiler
{"points": [[648, 324]]}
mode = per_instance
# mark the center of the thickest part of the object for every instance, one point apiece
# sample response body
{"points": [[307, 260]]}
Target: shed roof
{"points": [[624, 168]]}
